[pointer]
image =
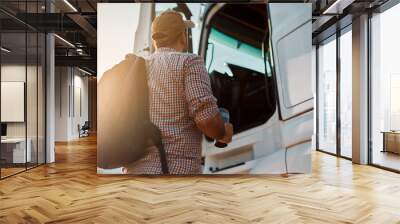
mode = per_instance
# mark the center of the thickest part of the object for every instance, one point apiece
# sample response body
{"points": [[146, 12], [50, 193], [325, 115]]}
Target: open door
{"points": [[232, 47], [265, 87]]}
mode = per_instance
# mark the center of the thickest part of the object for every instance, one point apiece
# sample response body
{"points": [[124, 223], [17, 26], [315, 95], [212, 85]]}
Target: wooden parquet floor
{"points": [[69, 191]]}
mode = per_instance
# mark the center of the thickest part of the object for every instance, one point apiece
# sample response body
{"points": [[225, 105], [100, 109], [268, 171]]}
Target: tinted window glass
{"points": [[241, 79]]}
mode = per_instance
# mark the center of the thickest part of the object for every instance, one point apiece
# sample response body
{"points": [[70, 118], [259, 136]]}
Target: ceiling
{"points": [[75, 23]]}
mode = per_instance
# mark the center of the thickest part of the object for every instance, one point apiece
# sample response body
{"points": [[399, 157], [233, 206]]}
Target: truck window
{"points": [[241, 80]]}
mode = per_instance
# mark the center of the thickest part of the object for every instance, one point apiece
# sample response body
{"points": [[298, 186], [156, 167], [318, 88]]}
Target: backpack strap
{"points": [[163, 158], [154, 134], [156, 138]]}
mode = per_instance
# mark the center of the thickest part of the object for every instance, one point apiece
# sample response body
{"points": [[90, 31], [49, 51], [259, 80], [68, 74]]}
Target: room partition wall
{"points": [[22, 88]]}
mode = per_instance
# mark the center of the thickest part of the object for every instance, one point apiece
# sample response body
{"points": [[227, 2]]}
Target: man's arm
{"points": [[228, 131], [212, 127], [202, 104]]}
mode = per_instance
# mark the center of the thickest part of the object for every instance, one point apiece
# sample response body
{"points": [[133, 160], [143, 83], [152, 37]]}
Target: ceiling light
{"points": [[70, 5], [80, 51], [65, 41], [84, 71], [5, 50]]}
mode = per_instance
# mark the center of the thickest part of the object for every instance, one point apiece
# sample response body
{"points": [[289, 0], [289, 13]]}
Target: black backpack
{"points": [[124, 127]]}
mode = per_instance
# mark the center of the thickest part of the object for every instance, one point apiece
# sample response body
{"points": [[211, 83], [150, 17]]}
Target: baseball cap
{"points": [[168, 25]]}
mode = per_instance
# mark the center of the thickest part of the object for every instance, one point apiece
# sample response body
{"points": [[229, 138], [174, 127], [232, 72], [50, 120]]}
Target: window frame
{"points": [[381, 9]]}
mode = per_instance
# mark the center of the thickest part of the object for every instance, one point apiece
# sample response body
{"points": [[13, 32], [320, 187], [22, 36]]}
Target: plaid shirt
{"points": [[180, 95]]}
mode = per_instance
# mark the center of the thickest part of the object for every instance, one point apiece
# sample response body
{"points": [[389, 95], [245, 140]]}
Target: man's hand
{"points": [[228, 134]]}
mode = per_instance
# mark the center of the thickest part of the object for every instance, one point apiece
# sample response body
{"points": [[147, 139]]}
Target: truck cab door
{"points": [[290, 34], [291, 43], [272, 116]]}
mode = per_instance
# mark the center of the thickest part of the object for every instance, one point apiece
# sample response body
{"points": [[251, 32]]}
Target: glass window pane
{"points": [[41, 97], [22, 90], [13, 87], [31, 88], [385, 114], [346, 94], [327, 96], [31, 96]]}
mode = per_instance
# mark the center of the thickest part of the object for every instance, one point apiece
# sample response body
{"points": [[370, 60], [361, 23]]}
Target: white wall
{"points": [[61, 103], [80, 84], [69, 82]]}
